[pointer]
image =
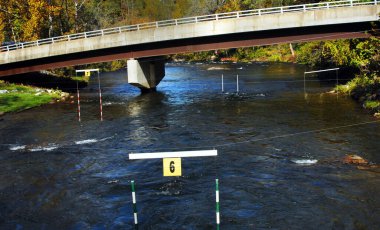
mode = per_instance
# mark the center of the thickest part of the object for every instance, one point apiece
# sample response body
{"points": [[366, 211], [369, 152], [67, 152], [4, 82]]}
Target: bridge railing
{"points": [[189, 20]]}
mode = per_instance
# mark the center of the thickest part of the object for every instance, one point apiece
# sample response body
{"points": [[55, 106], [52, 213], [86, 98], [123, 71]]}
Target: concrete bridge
{"points": [[143, 42]]}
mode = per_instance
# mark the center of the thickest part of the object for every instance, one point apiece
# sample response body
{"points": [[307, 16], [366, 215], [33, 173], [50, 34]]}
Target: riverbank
{"points": [[364, 89], [15, 97], [274, 53], [30, 90]]}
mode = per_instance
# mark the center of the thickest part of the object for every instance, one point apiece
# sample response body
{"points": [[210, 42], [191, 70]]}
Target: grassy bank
{"points": [[14, 97], [366, 90]]}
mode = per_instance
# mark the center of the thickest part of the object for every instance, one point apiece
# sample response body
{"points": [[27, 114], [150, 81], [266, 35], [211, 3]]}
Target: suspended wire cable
{"points": [[226, 83], [237, 142], [268, 138]]}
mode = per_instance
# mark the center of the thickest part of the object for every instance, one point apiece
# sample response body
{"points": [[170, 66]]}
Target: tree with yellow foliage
{"points": [[36, 20]]}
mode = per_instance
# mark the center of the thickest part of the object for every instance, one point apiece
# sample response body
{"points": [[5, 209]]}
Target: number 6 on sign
{"points": [[172, 166]]}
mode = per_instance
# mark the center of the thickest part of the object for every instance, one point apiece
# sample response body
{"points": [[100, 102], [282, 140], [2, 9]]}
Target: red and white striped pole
{"points": [[78, 103], [100, 99], [101, 107]]}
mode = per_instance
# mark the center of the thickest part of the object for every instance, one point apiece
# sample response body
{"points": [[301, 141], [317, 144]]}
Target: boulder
{"points": [[354, 159], [331, 92], [372, 168], [63, 94]]}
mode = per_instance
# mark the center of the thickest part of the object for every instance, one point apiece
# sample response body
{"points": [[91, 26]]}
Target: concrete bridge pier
{"points": [[146, 74]]}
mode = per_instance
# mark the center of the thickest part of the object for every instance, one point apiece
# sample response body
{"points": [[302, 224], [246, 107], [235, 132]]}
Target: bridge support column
{"points": [[145, 74]]}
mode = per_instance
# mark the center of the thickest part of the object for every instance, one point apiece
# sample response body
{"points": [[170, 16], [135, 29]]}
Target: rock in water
{"points": [[371, 168], [354, 159]]}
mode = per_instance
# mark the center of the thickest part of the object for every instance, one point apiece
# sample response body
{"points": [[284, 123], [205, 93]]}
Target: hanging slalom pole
{"points": [[222, 84], [337, 77], [134, 204], [318, 71], [100, 99], [78, 102], [87, 73], [217, 204], [337, 83], [237, 83], [304, 84]]}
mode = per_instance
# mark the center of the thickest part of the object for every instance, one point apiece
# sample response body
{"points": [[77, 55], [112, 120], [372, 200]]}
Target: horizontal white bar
{"points": [[322, 70], [86, 70], [201, 153]]}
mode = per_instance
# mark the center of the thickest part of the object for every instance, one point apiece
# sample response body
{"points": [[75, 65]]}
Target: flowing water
{"points": [[279, 160]]}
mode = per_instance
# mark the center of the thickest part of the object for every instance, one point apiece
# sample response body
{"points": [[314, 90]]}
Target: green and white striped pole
{"points": [[134, 204], [217, 204]]}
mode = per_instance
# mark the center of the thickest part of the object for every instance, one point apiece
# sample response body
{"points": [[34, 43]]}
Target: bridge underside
{"points": [[294, 35]]}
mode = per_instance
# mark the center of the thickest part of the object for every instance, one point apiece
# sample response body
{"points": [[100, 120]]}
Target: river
{"points": [[58, 173]]}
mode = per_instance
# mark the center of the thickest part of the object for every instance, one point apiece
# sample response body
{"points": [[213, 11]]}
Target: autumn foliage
{"points": [[26, 20]]}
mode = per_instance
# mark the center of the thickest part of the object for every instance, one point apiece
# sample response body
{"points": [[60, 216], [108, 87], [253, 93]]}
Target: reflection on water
{"points": [[274, 171]]}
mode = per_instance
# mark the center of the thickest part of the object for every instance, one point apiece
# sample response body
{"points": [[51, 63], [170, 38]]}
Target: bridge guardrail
{"points": [[189, 20]]}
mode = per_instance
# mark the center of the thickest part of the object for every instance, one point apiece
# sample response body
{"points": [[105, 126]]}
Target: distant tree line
{"points": [[26, 20]]}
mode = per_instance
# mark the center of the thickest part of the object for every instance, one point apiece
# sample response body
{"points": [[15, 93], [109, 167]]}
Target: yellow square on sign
{"points": [[172, 166]]}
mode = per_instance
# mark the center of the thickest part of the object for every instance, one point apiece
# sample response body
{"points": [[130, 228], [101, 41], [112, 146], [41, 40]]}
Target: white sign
{"points": [[158, 155]]}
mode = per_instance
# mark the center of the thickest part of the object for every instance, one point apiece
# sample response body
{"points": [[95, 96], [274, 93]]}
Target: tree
{"points": [[181, 8], [11, 20], [230, 6], [35, 20], [366, 55]]}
